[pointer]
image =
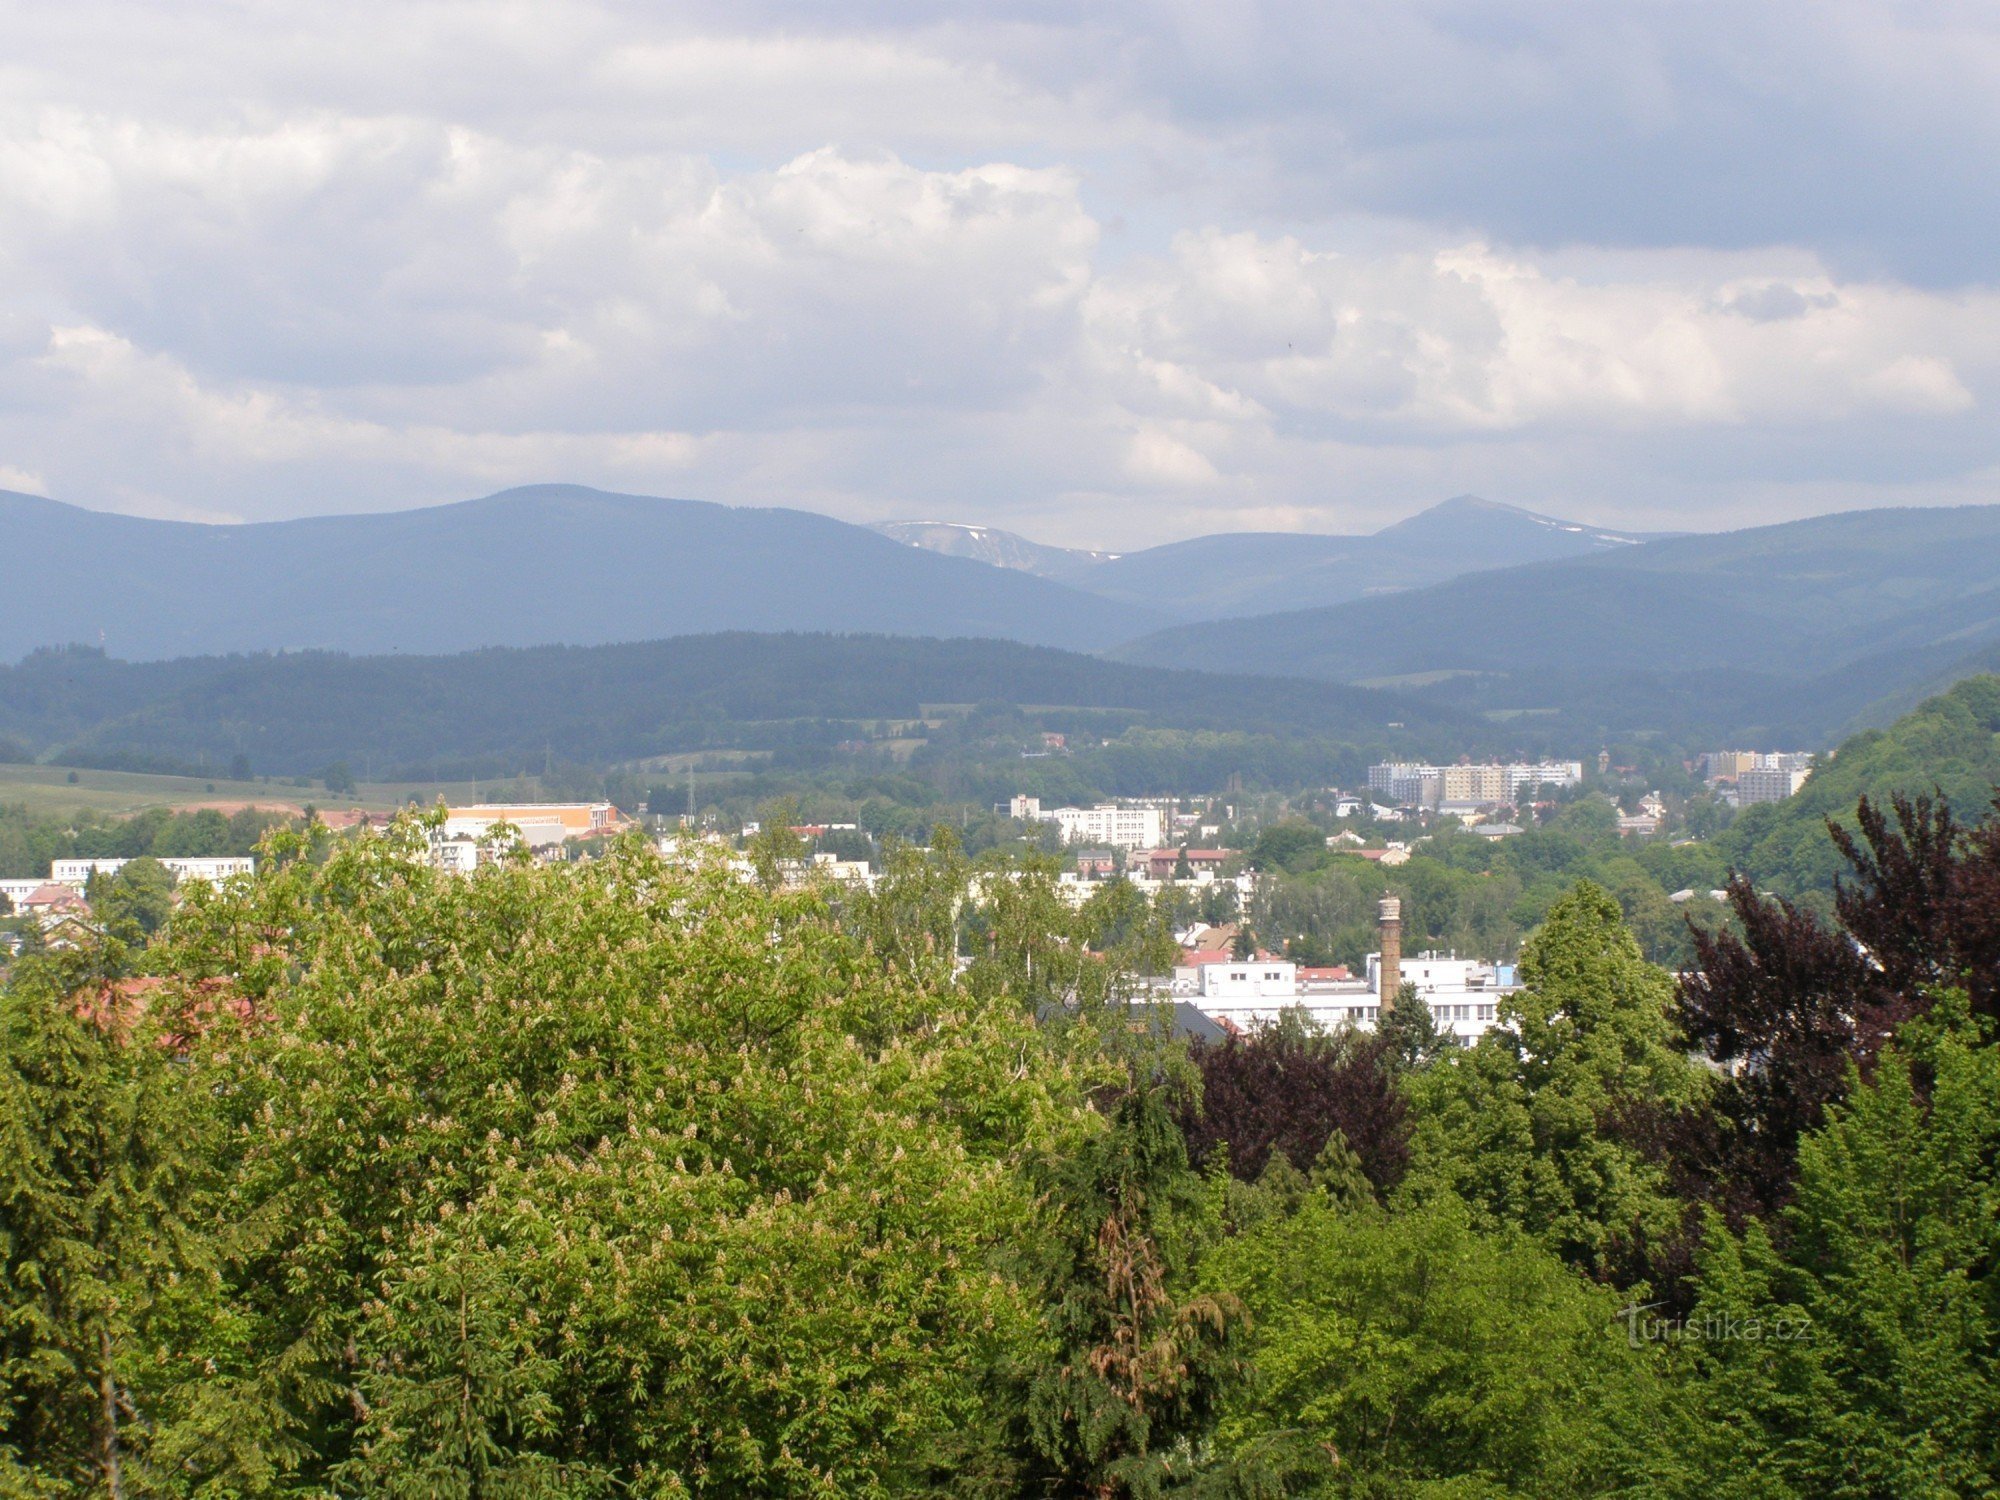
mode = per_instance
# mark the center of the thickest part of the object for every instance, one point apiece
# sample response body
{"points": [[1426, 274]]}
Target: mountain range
{"points": [[563, 564], [1245, 573], [1810, 625], [1786, 634], [549, 564]]}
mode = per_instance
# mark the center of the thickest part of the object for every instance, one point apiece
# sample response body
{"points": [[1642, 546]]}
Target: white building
{"points": [[1468, 786], [1768, 784], [210, 868], [543, 825], [1463, 994], [1110, 824], [17, 891]]}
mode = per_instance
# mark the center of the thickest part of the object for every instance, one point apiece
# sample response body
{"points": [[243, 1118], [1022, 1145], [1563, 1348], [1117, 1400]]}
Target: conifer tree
{"points": [[107, 1263]]}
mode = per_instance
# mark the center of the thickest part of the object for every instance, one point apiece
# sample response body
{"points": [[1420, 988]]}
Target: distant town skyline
{"points": [[1160, 271]]}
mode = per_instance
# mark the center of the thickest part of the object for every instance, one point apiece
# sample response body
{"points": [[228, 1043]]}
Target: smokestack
{"points": [[1389, 916]]}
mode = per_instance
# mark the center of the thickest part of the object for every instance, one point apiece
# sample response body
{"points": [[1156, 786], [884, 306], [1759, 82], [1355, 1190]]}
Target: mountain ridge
{"points": [[534, 565], [1881, 592], [1226, 575]]}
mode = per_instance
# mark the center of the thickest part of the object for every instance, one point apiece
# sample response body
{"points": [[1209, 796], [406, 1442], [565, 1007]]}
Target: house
{"points": [[1395, 854], [1160, 864], [50, 902]]}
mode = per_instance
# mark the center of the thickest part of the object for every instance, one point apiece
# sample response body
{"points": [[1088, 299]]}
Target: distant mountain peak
{"points": [[988, 544], [1461, 510]]}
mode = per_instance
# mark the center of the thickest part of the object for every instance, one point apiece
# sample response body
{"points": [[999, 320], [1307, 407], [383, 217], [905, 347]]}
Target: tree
{"points": [[109, 1263], [1786, 1003], [134, 904], [1525, 1125], [1410, 1031], [1411, 1354], [1289, 1088], [627, 1173], [1857, 1354], [339, 780], [1139, 1357]]}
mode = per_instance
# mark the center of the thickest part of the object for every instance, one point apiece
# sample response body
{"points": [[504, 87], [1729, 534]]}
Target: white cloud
{"points": [[1119, 279]]}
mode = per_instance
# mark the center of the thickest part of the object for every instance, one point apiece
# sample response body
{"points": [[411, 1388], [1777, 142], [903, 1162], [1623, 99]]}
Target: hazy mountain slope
{"points": [[1000, 549], [1246, 573], [1793, 600], [548, 564], [508, 708]]}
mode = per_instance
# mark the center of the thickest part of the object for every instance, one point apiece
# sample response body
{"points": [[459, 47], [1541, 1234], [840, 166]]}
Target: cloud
{"points": [[1118, 278]]}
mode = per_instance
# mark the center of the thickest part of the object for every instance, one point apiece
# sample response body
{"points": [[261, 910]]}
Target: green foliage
{"points": [[1415, 1039], [1136, 1356], [1466, 895], [1413, 1355], [1524, 1124], [503, 711], [1949, 744], [110, 1271], [135, 903], [29, 843], [641, 1176], [1863, 1357]]}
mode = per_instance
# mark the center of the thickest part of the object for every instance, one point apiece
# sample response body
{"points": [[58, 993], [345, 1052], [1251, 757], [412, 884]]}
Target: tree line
{"points": [[641, 1177]]}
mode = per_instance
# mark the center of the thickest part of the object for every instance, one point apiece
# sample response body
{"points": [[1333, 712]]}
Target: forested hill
{"points": [[506, 709], [1839, 609], [1948, 745], [538, 566]]}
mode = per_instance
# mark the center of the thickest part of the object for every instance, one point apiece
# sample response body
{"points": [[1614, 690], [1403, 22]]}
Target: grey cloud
{"points": [[1120, 277]]}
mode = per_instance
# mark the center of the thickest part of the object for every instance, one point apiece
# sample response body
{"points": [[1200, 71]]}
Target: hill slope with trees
{"points": [[505, 710], [1798, 627]]}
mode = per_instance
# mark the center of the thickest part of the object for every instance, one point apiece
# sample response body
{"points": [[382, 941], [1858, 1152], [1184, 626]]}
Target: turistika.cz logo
{"points": [[1642, 1328]]}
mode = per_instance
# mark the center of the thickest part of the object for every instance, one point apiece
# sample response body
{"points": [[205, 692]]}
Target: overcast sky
{"points": [[1168, 269]]}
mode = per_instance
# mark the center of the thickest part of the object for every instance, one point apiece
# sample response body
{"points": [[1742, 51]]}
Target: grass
{"points": [[58, 789]]}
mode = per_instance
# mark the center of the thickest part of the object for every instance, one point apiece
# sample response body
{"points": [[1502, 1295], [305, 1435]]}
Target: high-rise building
{"points": [[1767, 784]]}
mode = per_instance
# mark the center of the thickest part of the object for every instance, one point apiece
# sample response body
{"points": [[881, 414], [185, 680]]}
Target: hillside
{"points": [[1897, 590], [552, 564], [500, 710], [1949, 744]]}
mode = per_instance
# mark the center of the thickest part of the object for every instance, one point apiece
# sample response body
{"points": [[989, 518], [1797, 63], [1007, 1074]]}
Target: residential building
{"points": [[1463, 994], [1768, 784], [1160, 864], [210, 868], [1475, 786], [1108, 823], [17, 891], [1468, 786]]}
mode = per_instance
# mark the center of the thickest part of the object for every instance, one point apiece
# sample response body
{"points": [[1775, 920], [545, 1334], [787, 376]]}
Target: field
{"points": [[57, 789]]}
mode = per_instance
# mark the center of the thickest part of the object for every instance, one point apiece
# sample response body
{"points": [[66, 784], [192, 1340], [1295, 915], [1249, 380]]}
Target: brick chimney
{"points": [[1389, 917]]}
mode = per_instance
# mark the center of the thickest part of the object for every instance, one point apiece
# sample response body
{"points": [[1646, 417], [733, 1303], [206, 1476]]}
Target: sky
{"points": [[1107, 275]]}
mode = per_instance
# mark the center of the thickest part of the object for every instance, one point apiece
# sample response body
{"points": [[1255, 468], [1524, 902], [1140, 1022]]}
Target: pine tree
{"points": [[100, 1227], [1139, 1358]]}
